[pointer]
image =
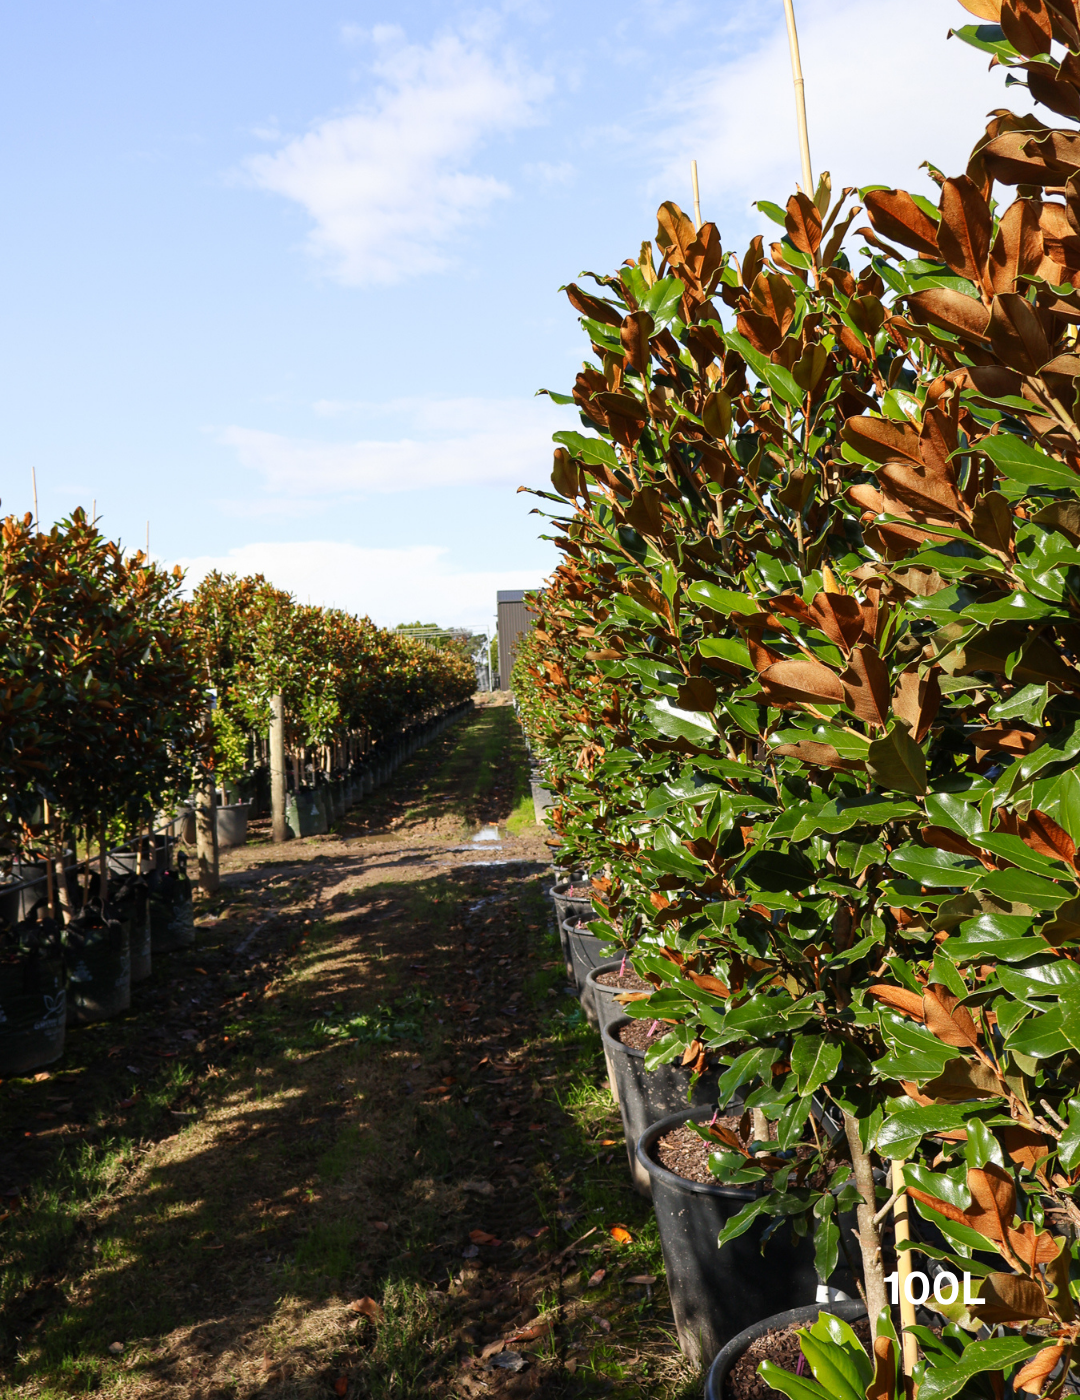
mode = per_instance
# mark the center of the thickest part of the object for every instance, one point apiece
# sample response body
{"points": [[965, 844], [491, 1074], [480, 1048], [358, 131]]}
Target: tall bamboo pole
{"points": [[800, 98], [697, 194], [903, 1271]]}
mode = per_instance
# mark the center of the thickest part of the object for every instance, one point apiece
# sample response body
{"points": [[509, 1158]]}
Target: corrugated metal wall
{"points": [[514, 619]]}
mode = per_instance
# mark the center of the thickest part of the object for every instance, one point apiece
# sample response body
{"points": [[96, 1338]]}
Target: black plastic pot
{"points": [[645, 1098], [131, 899], [607, 1008], [850, 1311], [97, 950], [586, 952], [717, 1293], [572, 909], [172, 916], [34, 1011]]}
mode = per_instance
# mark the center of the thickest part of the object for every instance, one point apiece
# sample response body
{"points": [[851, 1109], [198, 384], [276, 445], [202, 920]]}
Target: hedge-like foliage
{"points": [[807, 682]]}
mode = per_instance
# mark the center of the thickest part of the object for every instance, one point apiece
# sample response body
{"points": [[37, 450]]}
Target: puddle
{"points": [[486, 834]]}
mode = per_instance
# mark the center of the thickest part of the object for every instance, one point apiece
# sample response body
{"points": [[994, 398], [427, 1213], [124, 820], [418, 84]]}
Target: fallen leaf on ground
{"points": [[642, 1278], [482, 1237], [491, 1349], [509, 1361], [597, 1278], [128, 1103], [116, 1348], [367, 1307], [379, 1225], [341, 1385], [601, 1322], [621, 1234], [536, 1233], [532, 1333], [608, 1142]]}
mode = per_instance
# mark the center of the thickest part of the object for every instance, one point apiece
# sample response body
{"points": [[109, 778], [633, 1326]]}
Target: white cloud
{"points": [[389, 185], [447, 442], [389, 585], [881, 97]]}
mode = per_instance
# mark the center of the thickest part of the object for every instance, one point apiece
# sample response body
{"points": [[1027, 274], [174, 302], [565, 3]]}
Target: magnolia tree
{"points": [[807, 682]]}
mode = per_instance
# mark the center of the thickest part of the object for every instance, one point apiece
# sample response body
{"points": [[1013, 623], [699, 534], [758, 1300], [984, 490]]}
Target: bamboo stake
{"points": [[800, 98], [148, 529], [50, 887], [902, 1229], [697, 195], [103, 866], [33, 479]]}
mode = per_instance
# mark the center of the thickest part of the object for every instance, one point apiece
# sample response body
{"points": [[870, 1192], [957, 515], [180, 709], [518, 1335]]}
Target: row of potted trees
{"points": [[806, 687], [119, 698]]}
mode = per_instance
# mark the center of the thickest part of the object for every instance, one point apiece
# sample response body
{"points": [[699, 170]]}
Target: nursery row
{"points": [[120, 698], [806, 692], [78, 934]]}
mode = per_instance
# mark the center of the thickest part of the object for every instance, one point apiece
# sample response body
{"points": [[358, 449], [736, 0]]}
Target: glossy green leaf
{"points": [[1023, 887], [814, 1061], [994, 1354], [897, 762], [1019, 460]]}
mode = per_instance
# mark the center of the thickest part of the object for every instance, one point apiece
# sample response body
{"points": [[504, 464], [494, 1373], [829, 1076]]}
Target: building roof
{"points": [[510, 595]]}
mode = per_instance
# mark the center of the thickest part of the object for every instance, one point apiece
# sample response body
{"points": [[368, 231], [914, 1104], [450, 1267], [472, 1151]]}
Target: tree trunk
{"points": [[277, 768], [206, 836], [869, 1238]]}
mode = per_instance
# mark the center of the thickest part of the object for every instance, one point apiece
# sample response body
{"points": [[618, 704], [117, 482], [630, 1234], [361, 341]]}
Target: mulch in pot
{"points": [[626, 981], [638, 1034], [685, 1153], [781, 1346]]}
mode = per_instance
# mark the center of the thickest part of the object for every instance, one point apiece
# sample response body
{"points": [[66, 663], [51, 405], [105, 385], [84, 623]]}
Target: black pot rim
{"points": [[608, 965], [670, 1179], [850, 1310], [566, 885]]}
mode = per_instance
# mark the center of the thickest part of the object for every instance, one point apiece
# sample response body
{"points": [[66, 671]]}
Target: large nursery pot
{"points": [[172, 915], [646, 1097], [572, 898], [302, 814], [232, 825], [716, 1293], [130, 897], [97, 950], [849, 1309], [622, 980], [586, 953], [33, 1008]]}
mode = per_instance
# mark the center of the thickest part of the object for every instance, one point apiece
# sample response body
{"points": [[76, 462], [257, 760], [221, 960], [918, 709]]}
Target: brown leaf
{"points": [[1005, 738], [1026, 25], [882, 440], [950, 1022], [809, 751], [984, 9], [595, 1280], [1018, 247], [1033, 1375], [634, 334], [697, 693], [367, 1307], [895, 215], [379, 1225], [964, 232], [803, 223], [883, 1386], [692, 1051], [592, 307], [482, 1237], [946, 840], [1024, 1146], [900, 999], [866, 685], [771, 296], [803, 678], [1043, 835], [646, 1279], [341, 1385], [953, 311], [962, 1079], [620, 1234], [1010, 1298], [1008, 159], [644, 513], [675, 232], [839, 616], [1017, 335], [916, 699], [992, 524]]}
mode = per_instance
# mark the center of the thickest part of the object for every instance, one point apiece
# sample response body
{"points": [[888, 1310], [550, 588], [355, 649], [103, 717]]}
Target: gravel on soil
{"points": [[628, 981]]}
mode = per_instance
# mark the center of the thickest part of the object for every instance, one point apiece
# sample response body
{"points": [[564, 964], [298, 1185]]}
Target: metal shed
{"points": [[514, 619]]}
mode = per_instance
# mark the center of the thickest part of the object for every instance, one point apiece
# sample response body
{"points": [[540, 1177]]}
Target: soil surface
{"points": [[356, 1142], [686, 1154], [627, 981], [780, 1346], [637, 1034]]}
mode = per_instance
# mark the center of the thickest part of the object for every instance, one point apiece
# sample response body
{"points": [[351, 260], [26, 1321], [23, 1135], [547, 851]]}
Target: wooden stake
{"points": [[902, 1230], [800, 98], [697, 194], [37, 517]]}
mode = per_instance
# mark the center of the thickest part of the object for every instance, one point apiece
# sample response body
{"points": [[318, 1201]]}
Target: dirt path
{"points": [[354, 1143]]}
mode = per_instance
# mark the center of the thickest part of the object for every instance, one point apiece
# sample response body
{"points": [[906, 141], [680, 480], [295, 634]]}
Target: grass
{"points": [[404, 1070]]}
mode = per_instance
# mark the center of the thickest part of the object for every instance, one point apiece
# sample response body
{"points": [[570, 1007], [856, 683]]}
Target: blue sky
{"points": [[282, 278]]}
